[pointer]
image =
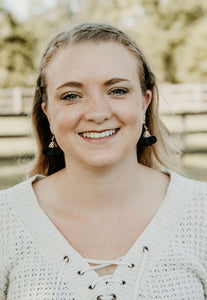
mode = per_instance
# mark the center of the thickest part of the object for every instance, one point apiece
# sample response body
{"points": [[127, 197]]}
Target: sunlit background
{"points": [[173, 35]]}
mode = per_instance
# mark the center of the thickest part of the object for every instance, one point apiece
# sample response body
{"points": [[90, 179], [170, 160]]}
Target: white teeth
{"points": [[96, 135]]}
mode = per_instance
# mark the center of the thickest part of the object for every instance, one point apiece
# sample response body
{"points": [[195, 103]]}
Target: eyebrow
{"points": [[114, 80], [80, 85]]}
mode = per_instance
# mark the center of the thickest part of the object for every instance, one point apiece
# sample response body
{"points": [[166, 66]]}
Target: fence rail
{"points": [[16, 101], [181, 101], [173, 97], [183, 97]]}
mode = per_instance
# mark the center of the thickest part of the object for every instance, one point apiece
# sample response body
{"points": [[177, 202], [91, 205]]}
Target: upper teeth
{"points": [[96, 135]]}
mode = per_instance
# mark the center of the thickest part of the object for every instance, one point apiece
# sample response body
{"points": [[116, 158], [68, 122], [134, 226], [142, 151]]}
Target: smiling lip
{"points": [[99, 135]]}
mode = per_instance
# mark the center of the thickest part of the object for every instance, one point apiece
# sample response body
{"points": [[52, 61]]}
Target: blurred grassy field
{"points": [[16, 153]]}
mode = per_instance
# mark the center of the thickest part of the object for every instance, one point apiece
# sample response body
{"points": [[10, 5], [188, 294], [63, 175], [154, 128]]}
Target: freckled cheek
{"points": [[64, 122], [133, 120], [135, 123], [131, 115]]}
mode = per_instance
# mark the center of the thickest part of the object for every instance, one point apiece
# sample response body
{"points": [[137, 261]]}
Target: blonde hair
{"points": [[158, 156]]}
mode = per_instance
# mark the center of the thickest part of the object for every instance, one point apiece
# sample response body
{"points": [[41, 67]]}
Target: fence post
{"points": [[17, 100]]}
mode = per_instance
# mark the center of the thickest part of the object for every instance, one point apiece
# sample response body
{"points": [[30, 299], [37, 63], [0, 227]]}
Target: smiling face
{"points": [[95, 104]]}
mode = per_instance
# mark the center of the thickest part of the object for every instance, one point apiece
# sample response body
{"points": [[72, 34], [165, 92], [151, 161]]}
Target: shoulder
{"points": [[9, 220], [14, 203], [13, 192], [199, 198], [8, 197], [193, 223], [11, 197], [196, 187], [182, 180], [194, 194]]}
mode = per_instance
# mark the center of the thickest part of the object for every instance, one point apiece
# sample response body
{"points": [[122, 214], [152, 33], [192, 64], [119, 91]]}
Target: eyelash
{"points": [[67, 97], [117, 92], [122, 91]]}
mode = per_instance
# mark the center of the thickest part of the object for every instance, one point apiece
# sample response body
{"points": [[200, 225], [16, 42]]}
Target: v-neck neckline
{"points": [[55, 246]]}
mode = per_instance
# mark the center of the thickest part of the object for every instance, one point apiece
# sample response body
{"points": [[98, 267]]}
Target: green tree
{"points": [[166, 29], [16, 51], [45, 22], [171, 32], [191, 57]]}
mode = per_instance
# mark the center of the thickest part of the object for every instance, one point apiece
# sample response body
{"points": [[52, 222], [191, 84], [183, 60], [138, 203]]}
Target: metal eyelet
{"points": [[80, 273], [66, 258], [100, 296], [91, 287], [131, 265], [145, 248], [123, 282]]}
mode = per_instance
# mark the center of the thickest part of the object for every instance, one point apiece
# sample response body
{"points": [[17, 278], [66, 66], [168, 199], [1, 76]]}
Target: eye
{"points": [[70, 97], [119, 91]]}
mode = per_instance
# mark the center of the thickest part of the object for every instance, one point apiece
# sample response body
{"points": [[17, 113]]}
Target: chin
{"points": [[101, 162]]}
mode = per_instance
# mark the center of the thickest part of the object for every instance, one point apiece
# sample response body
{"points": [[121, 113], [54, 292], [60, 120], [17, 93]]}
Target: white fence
{"points": [[173, 98], [15, 101], [183, 98]]}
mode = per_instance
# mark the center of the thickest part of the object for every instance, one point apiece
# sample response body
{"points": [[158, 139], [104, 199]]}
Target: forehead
{"points": [[92, 61]]}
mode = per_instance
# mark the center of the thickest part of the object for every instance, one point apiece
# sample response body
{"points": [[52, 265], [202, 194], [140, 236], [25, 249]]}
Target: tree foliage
{"points": [[16, 52], [171, 32]]}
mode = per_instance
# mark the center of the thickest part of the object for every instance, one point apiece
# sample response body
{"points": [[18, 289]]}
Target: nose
{"points": [[98, 109]]}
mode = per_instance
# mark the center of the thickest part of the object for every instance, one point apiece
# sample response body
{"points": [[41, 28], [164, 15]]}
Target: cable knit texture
{"points": [[37, 263]]}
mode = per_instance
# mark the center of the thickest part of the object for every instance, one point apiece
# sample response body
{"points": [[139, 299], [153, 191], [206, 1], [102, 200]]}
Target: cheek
{"points": [[63, 120], [132, 118], [131, 114]]}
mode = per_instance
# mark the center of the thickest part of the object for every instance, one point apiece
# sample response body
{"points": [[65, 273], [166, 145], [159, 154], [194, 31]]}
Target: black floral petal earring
{"points": [[52, 149], [147, 139]]}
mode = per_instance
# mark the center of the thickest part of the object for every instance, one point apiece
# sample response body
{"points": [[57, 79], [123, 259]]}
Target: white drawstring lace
{"points": [[110, 297], [107, 278], [65, 261], [141, 271], [102, 264]]}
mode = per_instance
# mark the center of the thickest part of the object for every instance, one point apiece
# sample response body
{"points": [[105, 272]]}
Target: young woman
{"points": [[106, 218]]}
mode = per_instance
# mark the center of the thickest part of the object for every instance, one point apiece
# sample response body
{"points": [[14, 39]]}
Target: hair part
{"points": [[158, 156]]}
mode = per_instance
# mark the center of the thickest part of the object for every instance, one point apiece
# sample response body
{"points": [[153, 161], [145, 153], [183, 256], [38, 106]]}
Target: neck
{"points": [[88, 189]]}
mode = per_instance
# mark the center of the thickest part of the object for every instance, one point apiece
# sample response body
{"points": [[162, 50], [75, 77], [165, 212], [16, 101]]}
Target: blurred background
{"points": [[172, 34]]}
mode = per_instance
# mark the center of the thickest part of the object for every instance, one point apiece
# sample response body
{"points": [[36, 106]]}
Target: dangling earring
{"points": [[52, 149], [147, 139]]}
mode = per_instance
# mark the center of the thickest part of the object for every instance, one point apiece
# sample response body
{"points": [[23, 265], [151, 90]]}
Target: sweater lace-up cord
{"points": [[107, 278], [65, 261], [104, 263], [141, 271]]}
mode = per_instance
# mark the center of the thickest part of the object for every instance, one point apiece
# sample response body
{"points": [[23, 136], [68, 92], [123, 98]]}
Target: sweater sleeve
{"points": [[200, 227], [4, 246]]}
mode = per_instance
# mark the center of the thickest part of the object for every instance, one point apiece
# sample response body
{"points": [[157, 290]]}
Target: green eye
{"points": [[119, 91], [70, 97]]}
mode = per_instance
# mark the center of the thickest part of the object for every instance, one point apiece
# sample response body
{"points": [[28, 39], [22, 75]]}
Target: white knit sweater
{"points": [[36, 262]]}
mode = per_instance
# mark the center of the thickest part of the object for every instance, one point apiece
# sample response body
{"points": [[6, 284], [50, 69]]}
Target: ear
{"points": [[44, 108], [146, 101], [45, 111]]}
